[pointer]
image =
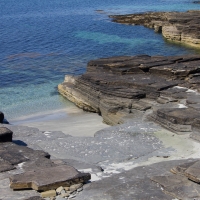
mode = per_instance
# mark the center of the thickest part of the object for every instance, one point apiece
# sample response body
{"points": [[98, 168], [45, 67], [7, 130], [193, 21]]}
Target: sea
{"points": [[43, 40]]}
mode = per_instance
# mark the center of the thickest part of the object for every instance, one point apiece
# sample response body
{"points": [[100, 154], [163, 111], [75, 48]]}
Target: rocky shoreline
{"points": [[135, 159], [175, 26], [151, 152], [162, 89]]}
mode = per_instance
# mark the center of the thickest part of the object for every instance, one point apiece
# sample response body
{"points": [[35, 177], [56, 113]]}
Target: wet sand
{"points": [[72, 121]]}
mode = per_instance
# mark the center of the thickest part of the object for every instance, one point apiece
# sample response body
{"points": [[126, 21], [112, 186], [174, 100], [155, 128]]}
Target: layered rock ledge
{"points": [[163, 89], [176, 26]]}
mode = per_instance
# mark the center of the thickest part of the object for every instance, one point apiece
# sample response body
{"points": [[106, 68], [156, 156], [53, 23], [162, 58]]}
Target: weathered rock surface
{"points": [[129, 144], [127, 87], [176, 26], [48, 178], [147, 182]]}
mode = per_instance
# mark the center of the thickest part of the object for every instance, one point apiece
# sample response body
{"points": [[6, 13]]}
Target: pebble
{"points": [[66, 194], [63, 193], [67, 188], [60, 190], [75, 187]]}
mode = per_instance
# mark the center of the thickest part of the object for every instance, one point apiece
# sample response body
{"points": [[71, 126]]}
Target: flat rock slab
{"points": [[180, 169], [12, 154], [178, 120], [48, 178], [182, 116], [178, 186], [5, 134], [135, 184], [5, 166]]}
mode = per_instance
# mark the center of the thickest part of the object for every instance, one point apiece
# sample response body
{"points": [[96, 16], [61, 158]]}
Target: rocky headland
{"points": [[160, 88], [181, 27]]}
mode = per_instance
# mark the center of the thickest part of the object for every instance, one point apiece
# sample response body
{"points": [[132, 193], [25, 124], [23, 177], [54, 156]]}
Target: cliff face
{"points": [[121, 88], [176, 26]]}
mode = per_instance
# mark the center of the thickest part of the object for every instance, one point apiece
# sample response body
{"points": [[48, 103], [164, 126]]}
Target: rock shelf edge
{"points": [[175, 26], [163, 89]]}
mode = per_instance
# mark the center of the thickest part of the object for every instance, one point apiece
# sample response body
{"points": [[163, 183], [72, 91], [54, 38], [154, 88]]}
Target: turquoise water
{"points": [[41, 41]]}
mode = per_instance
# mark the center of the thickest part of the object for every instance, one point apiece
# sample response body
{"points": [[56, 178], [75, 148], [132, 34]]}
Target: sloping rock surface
{"points": [[127, 87], [176, 26]]}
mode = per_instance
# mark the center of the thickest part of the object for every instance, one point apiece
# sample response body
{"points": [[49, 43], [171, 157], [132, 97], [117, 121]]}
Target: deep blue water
{"points": [[42, 40]]}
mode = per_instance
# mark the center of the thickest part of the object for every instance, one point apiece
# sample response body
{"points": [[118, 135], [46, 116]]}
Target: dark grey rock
{"points": [[178, 186], [5, 166], [5, 134], [1, 117], [35, 198]]}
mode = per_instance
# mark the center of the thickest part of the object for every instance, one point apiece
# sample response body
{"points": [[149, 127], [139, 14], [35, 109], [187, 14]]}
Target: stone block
{"points": [[49, 193], [48, 178]]}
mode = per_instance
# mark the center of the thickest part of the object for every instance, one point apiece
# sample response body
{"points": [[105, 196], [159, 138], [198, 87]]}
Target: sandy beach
{"points": [[72, 121]]}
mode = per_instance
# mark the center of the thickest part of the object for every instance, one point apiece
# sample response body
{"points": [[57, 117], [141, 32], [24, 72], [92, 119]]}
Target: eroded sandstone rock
{"points": [[125, 87], [176, 26]]}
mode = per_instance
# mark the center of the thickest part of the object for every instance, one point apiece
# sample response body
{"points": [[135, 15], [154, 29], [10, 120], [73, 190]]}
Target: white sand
{"points": [[71, 120]]}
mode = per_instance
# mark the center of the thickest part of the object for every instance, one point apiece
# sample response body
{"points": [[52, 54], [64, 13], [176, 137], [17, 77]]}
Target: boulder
{"points": [[1, 117]]}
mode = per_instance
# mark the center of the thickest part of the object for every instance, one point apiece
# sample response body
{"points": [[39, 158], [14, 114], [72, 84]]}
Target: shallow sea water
{"points": [[41, 41]]}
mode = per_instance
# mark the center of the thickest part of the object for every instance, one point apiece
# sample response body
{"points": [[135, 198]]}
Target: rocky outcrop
{"points": [[122, 88], [176, 26]]}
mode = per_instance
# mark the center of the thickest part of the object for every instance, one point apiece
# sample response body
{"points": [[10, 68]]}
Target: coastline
{"points": [[141, 96]]}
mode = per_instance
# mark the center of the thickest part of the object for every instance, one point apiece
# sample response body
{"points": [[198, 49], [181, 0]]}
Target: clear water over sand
{"points": [[41, 41]]}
